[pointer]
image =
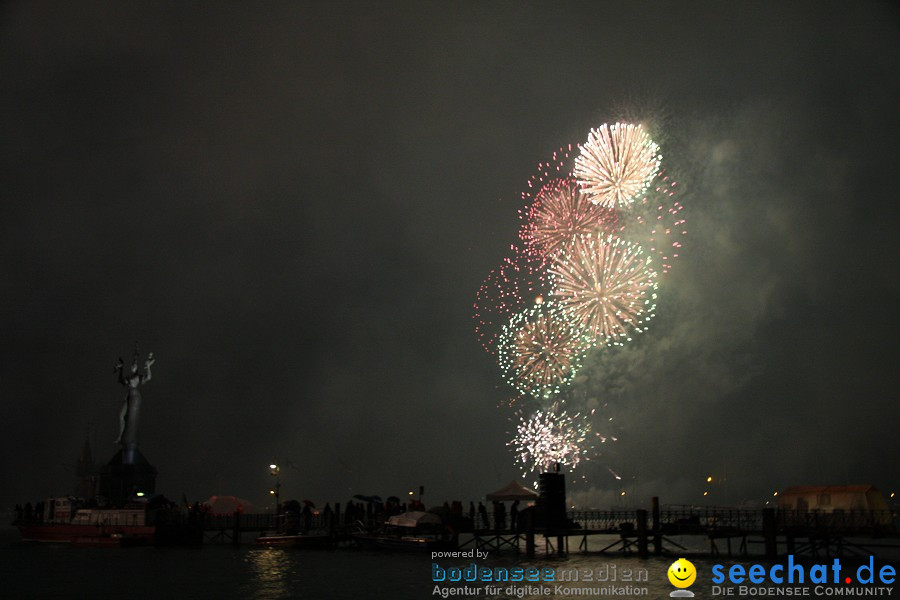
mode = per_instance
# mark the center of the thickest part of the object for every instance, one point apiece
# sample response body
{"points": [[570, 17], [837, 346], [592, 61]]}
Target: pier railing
{"points": [[266, 522], [694, 519], [673, 519], [843, 522], [602, 519]]}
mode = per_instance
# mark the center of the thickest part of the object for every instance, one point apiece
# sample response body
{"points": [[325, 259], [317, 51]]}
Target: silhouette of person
{"points": [[482, 512]]}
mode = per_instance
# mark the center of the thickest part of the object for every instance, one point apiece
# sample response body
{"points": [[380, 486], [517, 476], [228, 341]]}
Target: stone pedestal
{"points": [[126, 474]]}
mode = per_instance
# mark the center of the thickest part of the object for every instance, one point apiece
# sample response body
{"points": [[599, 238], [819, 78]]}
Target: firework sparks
{"points": [[616, 164], [557, 166], [520, 282], [592, 219], [549, 438], [540, 350], [561, 212], [656, 221], [606, 285]]}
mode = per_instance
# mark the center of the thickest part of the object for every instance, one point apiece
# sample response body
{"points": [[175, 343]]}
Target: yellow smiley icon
{"points": [[682, 573]]}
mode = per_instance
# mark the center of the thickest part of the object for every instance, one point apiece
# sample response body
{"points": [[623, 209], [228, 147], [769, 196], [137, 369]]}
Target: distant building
{"points": [[830, 498]]}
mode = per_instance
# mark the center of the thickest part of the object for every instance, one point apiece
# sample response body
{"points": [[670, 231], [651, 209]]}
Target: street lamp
{"points": [[274, 471]]}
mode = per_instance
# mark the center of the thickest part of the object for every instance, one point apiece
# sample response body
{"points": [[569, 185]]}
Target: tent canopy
{"points": [[513, 491], [226, 505], [827, 498], [414, 518]]}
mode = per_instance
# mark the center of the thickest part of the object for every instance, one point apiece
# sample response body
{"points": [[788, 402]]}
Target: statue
{"points": [[128, 416], [128, 473]]}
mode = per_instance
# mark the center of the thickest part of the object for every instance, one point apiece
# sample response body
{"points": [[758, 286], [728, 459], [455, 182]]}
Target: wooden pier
{"points": [[727, 531]]}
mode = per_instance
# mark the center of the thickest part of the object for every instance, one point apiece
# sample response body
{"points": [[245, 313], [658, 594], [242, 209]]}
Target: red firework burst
{"points": [[561, 212], [520, 282]]}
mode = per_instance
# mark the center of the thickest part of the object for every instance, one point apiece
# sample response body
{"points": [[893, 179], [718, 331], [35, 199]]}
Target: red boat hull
{"points": [[64, 533]]}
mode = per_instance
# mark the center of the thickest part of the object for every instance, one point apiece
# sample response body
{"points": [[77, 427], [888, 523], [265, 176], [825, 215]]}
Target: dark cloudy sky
{"points": [[293, 206]]}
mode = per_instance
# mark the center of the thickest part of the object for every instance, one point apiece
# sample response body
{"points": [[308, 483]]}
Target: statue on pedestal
{"points": [[128, 473]]}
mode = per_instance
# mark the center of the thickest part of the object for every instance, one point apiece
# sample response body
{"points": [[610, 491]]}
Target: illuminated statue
{"points": [[128, 416]]}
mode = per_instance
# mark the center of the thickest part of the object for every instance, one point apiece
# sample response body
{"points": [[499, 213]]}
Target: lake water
{"points": [[223, 572]]}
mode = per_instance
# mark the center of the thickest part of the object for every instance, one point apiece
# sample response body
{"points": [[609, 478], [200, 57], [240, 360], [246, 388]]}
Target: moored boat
{"points": [[413, 531], [62, 522], [406, 543], [295, 540]]}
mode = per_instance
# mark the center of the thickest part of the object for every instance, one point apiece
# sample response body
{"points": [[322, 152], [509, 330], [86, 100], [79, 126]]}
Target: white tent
{"points": [[414, 518], [512, 491]]}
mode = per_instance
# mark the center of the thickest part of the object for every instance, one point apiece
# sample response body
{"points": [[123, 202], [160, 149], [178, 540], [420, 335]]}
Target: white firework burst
{"points": [[616, 164]]}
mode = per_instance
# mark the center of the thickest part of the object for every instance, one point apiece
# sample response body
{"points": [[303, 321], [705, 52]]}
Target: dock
{"points": [[732, 532]]}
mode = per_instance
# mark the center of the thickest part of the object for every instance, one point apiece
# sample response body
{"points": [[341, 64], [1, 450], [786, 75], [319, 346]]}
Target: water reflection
{"points": [[273, 572]]}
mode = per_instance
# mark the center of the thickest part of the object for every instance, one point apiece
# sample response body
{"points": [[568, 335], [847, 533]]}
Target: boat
{"points": [[62, 521], [295, 539], [406, 543], [414, 531]]}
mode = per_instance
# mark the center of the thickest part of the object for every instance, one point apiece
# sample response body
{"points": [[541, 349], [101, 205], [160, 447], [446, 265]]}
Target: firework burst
{"points": [[561, 212], [540, 351], [552, 437], [616, 164], [520, 282], [607, 286]]}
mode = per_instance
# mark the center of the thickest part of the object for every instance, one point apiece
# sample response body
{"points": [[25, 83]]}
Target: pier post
{"points": [[529, 533], [236, 532], [770, 533], [642, 532], [657, 526]]}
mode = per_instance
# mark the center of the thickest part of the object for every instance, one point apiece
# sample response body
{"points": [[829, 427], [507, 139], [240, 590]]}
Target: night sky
{"points": [[294, 205]]}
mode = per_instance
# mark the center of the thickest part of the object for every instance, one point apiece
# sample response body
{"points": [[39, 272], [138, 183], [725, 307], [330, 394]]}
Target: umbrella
{"points": [[513, 491], [376, 499], [414, 518]]}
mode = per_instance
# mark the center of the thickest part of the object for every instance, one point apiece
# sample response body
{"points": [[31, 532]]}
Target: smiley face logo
{"points": [[682, 573]]}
